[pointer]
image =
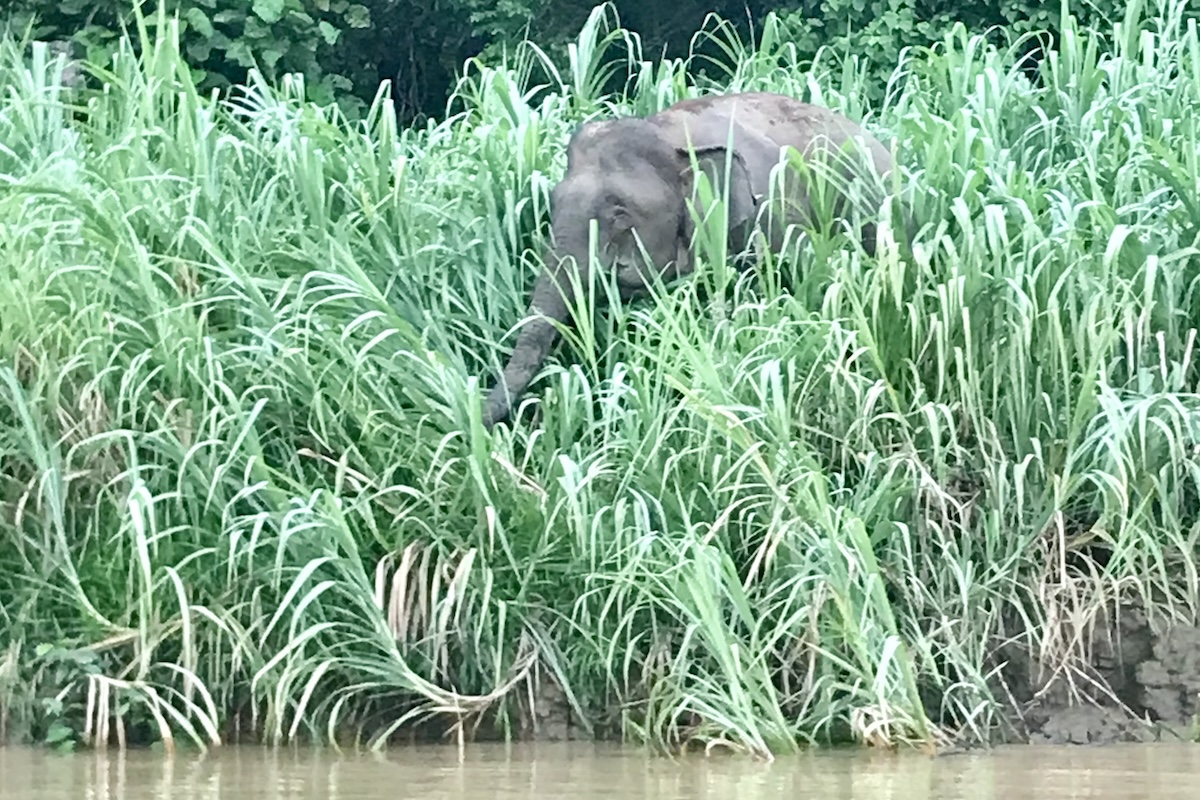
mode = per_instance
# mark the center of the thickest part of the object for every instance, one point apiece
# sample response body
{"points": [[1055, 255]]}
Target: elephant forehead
{"points": [[594, 190], [589, 193], [618, 143], [593, 131], [589, 141]]}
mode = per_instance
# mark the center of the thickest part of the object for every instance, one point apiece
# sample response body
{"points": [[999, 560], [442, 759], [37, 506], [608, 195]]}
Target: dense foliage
{"points": [[344, 48], [243, 480]]}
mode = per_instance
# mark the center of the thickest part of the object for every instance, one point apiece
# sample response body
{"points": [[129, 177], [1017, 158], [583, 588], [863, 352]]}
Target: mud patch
{"points": [[1142, 683], [1090, 725], [1170, 681], [548, 716]]}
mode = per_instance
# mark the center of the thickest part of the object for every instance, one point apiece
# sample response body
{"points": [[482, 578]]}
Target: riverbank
{"points": [[1131, 682]]}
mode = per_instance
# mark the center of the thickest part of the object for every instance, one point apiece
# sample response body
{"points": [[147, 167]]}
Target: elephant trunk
{"points": [[551, 301]]}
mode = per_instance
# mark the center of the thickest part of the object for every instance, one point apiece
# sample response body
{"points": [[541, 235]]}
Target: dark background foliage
{"points": [[345, 48]]}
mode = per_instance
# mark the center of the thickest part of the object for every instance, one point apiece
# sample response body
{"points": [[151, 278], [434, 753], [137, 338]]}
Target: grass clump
{"points": [[245, 486]]}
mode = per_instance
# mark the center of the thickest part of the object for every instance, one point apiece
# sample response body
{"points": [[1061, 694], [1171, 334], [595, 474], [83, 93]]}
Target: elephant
{"points": [[635, 175]]}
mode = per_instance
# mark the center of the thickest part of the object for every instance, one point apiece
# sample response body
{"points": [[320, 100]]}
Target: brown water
{"points": [[583, 772]]}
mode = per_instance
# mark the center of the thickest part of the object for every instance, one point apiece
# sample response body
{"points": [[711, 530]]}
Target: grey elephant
{"points": [[635, 174]]}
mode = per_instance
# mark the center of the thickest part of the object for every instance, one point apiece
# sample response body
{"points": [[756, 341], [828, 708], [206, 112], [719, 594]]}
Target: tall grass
{"points": [[246, 488]]}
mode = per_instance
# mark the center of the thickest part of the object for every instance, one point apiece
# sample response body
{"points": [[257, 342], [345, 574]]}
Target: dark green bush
{"points": [[875, 32], [344, 48], [223, 37]]}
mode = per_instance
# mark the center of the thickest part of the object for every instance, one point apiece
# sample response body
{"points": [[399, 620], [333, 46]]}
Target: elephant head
{"points": [[634, 177]]}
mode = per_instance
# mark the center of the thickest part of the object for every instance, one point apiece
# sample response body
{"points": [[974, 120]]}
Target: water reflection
{"points": [[584, 772]]}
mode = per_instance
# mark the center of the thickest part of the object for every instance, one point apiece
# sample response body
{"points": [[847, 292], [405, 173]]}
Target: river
{"points": [[584, 771]]}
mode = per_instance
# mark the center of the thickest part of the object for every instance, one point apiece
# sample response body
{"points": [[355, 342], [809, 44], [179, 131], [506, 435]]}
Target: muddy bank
{"points": [[1133, 680], [1130, 681]]}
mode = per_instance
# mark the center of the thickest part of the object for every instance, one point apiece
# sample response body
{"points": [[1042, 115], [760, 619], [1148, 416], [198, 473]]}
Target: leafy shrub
{"points": [[343, 48], [222, 38], [875, 33]]}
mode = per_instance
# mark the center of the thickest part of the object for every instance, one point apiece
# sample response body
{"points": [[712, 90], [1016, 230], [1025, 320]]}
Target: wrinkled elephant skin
{"points": [[635, 174]]}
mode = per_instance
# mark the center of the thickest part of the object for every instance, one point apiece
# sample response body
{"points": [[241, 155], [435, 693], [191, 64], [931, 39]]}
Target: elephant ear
{"points": [[750, 162], [711, 159]]}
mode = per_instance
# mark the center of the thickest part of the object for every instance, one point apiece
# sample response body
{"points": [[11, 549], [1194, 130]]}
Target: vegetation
{"points": [[244, 486], [344, 48]]}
